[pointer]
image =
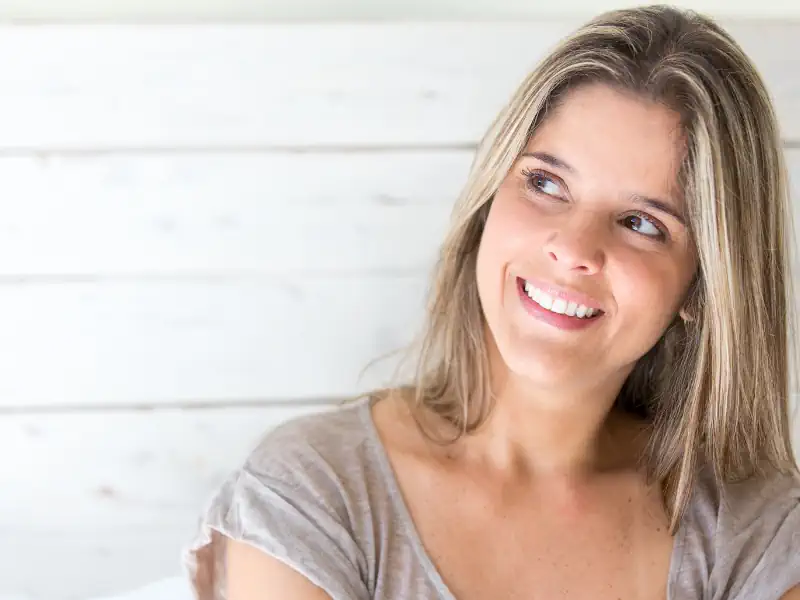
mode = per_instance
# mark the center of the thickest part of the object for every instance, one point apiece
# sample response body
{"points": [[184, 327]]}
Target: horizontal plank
{"points": [[230, 212], [129, 488], [254, 85], [164, 342], [298, 85], [105, 502]]}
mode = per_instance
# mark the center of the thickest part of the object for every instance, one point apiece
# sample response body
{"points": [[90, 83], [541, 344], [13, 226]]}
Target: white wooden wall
{"points": [[208, 229]]}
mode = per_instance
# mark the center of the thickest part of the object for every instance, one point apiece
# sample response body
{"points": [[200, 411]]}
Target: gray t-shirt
{"points": [[319, 494]]}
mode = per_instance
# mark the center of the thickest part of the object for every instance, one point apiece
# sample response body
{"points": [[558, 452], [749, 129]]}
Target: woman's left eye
{"points": [[645, 225]]}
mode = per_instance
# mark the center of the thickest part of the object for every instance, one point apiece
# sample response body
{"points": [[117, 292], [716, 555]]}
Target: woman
{"points": [[600, 405]]}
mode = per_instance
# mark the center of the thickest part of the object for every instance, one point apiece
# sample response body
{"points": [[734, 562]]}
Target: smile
{"points": [[560, 306], [561, 309]]}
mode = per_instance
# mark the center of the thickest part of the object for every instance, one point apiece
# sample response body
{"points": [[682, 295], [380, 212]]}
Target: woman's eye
{"points": [[644, 225], [541, 183]]}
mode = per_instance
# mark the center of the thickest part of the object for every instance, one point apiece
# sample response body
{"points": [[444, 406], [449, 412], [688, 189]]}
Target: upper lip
{"points": [[560, 292]]}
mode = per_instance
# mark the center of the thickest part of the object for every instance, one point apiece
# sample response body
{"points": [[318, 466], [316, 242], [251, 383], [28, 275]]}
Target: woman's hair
{"points": [[715, 388]]}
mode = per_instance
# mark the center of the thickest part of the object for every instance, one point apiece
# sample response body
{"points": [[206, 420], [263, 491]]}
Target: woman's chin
{"points": [[547, 367]]}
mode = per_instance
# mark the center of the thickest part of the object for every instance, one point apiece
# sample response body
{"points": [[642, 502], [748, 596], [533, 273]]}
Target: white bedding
{"points": [[176, 588]]}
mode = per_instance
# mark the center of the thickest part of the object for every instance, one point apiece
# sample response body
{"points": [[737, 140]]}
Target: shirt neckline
{"points": [[407, 523]]}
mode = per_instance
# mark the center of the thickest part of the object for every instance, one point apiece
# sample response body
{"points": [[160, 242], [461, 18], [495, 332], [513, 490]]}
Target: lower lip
{"points": [[555, 319]]}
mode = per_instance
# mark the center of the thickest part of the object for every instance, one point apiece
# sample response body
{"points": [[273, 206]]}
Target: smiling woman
{"points": [[600, 406]]}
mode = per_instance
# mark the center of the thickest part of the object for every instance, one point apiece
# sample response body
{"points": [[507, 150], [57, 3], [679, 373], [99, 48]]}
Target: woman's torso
{"points": [[323, 493]]}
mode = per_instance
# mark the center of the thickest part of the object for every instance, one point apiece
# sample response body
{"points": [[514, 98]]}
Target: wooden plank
{"points": [[224, 213], [162, 342], [306, 85], [231, 213], [104, 502]]}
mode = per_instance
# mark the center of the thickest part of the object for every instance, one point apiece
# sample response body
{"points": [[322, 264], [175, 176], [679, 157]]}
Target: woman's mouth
{"points": [[562, 312]]}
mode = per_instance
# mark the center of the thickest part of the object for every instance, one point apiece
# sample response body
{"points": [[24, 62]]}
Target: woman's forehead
{"points": [[600, 134]]}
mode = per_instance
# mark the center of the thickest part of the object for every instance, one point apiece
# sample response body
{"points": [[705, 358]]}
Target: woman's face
{"points": [[587, 218]]}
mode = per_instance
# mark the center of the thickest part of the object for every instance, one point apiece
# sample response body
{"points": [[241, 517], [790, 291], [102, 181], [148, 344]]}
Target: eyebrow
{"points": [[550, 160], [654, 203], [662, 206]]}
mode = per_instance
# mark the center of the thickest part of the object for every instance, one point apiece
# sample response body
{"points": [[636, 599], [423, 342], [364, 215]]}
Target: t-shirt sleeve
{"points": [[284, 504], [759, 542], [778, 569]]}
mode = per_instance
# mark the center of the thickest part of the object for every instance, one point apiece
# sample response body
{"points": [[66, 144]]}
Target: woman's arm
{"points": [[254, 575], [792, 594]]}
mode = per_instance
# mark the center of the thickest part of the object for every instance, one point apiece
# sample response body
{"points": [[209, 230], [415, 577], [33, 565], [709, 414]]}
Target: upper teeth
{"points": [[558, 305]]}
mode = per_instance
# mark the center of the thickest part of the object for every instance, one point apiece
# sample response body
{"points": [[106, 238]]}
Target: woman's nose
{"points": [[577, 246]]}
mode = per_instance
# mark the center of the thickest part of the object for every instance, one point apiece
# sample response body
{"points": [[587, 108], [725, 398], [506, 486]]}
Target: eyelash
{"points": [[530, 174]]}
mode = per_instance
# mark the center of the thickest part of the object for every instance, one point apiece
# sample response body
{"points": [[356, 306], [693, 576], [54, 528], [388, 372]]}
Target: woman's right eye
{"points": [[540, 183]]}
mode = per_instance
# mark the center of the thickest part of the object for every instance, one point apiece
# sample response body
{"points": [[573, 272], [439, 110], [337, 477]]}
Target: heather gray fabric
{"points": [[319, 494]]}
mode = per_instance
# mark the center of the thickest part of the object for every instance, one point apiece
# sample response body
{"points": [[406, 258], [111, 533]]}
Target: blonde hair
{"points": [[716, 388]]}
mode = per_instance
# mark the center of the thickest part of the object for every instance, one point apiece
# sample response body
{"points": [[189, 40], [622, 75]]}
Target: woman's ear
{"points": [[688, 312]]}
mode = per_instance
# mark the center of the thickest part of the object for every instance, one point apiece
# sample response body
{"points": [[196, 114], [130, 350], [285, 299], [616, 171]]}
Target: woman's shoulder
{"points": [[747, 504], [743, 537], [332, 438], [302, 495]]}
